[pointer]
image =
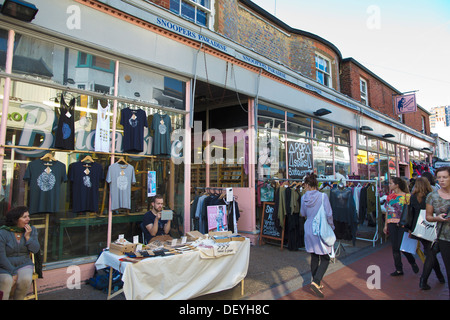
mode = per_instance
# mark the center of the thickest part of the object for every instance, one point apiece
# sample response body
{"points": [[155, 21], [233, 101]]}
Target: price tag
{"points": [[174, 242], [68, 115], [135, 239], [229, 194], [139, 247], [183, 240], [121, 236]]}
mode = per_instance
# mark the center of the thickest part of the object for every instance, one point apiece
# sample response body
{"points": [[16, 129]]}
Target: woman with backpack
{"points": [[311, 202]]}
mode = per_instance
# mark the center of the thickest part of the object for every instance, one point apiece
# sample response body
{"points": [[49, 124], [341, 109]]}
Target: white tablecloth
{"points": [[179, 277]]}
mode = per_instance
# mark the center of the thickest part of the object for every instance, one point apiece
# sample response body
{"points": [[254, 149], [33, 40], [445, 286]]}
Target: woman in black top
{"points": [[422, 188]]}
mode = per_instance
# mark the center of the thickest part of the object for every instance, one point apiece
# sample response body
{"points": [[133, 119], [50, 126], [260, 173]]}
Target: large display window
{"points": [[67, 131]]}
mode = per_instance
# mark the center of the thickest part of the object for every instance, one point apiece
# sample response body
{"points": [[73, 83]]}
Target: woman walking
{"points": [[417, 203], [438, 210], [396, 200], [310, 205]]}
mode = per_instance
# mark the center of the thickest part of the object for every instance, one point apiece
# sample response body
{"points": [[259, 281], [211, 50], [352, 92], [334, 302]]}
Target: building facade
{"points": [[248, 99]]}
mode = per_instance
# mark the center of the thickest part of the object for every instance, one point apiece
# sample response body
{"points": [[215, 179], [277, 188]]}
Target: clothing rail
{"points": [[375, 237]]}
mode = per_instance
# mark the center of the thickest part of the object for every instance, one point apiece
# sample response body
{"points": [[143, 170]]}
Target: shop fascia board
{"points": [[145, 11], [151, 13]]}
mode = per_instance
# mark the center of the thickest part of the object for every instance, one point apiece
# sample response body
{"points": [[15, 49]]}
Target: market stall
{"points": [[207, 268]]}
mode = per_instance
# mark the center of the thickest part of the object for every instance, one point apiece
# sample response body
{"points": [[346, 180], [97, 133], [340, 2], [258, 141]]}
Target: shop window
{"points": [[322, 130], [3, 47], [362, 160], [196, 11], [391, 149], [372, 144], [61, 65], [271, 154], [342, 160], [34, 111], [323, 70], [151, 87], [323, 159], [271, 118], [298, 124], [341, 135], [362, 141], [373, 165]]}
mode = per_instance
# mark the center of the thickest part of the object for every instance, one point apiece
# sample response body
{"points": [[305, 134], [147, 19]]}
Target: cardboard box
{"points": [[120, 249], [237, 237], [194, 235], [220, 233]]}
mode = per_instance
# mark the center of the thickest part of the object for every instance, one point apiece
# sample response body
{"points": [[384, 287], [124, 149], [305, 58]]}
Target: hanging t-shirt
{"points": [[120, 177], [65, 133], [86, 178], [102, 132], [133, 122], [45, 185], [162, 127]]}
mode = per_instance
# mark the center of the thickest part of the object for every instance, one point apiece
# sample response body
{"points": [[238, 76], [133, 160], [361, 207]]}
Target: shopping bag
{"points": [[424, 229], [408, 244]]}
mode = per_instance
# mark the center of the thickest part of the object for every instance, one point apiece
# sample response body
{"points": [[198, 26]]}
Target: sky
{"points": [[404, 42]]}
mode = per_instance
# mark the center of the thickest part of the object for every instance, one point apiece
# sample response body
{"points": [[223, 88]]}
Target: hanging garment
{"points": [[120, 177], [85, 180], [133, 122], [65, 132], [344, 213], [45, 185], [102, 131], [162, 127]]}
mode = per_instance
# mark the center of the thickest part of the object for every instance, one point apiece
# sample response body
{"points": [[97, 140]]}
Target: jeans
{"points": [[23, 283], [396, 236], [319, 265], [431, 262]]}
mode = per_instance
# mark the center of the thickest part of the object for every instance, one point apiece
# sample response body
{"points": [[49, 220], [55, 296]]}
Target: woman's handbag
{"points": [[406, 217], [424, 229]]}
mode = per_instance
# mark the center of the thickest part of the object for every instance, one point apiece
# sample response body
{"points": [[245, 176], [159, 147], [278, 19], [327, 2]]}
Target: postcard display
{"points": [[46, 175]]}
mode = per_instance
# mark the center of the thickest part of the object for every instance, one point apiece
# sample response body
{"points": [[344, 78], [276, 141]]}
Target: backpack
{"points": [[322, 229]]}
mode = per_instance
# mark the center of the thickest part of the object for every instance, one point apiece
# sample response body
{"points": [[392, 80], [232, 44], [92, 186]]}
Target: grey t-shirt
{"points": [[440, 206], [120, 177]]}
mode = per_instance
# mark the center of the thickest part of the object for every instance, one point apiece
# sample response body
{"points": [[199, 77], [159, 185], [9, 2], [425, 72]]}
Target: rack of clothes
{"points": [[353, 202], [212, 196], [286, 196]]}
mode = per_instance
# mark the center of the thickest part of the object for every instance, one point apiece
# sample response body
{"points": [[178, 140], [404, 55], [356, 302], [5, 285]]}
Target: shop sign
{"points": [[405, 103], [299, 159]]}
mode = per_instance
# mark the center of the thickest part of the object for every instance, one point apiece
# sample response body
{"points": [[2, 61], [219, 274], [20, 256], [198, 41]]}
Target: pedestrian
{"points": [[17, 240], [438, 208], [396, 200], [310, 205], [417, 203], [431, 179]]}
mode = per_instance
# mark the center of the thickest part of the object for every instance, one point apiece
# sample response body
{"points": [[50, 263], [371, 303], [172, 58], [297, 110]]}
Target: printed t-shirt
{"points": [[133, 122], [162, 127], [65, 133], [85, 187], [120, 178], [102, 132], [45, 185]]}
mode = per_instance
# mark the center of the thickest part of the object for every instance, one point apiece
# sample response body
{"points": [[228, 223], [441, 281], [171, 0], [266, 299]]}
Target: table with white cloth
{"points": [[181, 276]]}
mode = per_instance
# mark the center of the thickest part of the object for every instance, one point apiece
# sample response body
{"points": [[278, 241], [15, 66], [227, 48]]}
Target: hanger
{"points": [[87, 158], [122, 159], [49, 157]]}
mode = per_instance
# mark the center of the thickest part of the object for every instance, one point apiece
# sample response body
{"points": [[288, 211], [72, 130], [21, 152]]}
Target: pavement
{"points": [[360, 272]]}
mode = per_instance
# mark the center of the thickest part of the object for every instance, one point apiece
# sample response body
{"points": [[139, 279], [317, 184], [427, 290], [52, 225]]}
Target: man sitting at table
{"points": [[152, 224]]}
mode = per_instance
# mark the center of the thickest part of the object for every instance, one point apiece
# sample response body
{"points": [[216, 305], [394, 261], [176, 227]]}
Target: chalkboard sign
{"points": [[300, 160], [270, 229]]}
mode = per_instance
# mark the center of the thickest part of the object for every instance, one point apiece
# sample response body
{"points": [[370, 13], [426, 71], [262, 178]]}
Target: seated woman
{"points": [[17, 240]]}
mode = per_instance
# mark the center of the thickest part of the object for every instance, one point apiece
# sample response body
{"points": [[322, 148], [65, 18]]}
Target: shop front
{"points": [[235, 120]]}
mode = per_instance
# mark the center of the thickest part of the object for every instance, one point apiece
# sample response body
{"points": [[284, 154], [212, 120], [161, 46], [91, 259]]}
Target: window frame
{"points": [[197, 6], [364, 94], [326, 75]]}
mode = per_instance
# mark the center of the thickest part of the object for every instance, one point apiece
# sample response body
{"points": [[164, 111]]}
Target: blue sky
{"points": [[406, 43]]}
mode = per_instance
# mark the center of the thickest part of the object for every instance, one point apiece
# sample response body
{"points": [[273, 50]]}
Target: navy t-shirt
{"points": [[133, 122], [149, 218], [85, 188]]}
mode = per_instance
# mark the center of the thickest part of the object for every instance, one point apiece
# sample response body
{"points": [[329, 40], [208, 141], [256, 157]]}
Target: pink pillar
{"points": [[353, 152], [6, 93], [113, 144], [187, 161]]}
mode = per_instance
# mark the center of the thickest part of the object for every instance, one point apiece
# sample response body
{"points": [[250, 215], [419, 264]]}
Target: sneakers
{"points": [[316, 289]]}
